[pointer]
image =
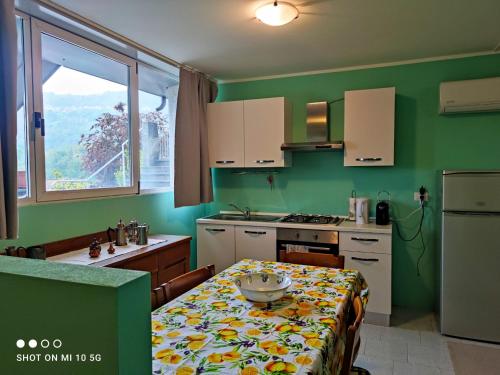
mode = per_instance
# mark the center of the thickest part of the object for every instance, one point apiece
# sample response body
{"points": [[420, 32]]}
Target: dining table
{"points": [[214, 329]]}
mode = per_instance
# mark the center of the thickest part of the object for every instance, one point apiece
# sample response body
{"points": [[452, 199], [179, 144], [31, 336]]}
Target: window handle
{"points": [[39, 123]]}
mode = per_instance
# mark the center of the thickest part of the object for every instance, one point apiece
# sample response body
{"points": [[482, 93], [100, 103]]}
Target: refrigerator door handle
{"points": [[451, 173], [472, 213]]}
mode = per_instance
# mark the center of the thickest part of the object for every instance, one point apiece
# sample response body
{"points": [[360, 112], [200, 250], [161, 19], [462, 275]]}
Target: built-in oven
{"points": [[307, 246]]}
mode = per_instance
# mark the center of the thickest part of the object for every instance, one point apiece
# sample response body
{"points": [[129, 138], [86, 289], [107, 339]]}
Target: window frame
{"points": [[28, 97], [38, 28], [170, 187]]}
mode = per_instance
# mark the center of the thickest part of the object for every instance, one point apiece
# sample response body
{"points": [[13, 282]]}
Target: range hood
{"points": [[318, 131]]}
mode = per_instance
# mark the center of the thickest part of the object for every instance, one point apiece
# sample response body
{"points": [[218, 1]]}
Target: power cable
{"points": [[417, 233]]}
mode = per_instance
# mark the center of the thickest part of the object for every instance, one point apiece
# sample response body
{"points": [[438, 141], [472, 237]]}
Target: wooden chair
{"points": [[353, 340], [159, 296], [181, 284], [312, 259]]}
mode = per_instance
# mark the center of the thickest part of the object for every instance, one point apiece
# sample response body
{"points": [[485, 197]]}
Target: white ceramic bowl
{"points": [[263, 287]]}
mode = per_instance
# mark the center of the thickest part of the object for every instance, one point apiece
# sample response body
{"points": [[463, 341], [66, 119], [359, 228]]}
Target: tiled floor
{"points": [[411, 346]]}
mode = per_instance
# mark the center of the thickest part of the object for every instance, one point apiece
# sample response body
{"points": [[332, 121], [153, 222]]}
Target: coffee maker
{"points": [[382, 216]]}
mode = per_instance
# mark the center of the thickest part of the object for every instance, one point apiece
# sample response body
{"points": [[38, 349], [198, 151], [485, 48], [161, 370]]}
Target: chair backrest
{"points": [[312, 259], [181, 284], [353, 341], [159, 296]]}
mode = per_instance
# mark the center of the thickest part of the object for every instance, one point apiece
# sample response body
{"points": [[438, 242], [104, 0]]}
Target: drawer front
{"points": [[257, 243], [172, 271], [173, 255], [365, 242], [376, 269], [148, 264], [173, 262]]}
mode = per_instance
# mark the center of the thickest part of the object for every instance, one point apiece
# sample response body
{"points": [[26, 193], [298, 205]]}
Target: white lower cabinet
{"points": [[370, 254], [224, 245], [374, 268], [215, 245], [257, 243]]}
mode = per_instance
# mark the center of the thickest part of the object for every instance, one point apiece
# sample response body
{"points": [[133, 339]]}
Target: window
{"points": [[23, 175], [85, 95], [99, 121], [157, 105]]}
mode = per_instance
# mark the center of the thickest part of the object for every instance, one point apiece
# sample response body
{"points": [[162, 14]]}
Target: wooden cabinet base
{"points": [[165, 260]]}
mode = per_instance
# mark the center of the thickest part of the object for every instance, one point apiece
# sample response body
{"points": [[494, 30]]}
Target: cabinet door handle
{"points": [[264, 161], [254, 232], [224, 162], [368, 159], [364, 239], [365, 259], [215, 230]]}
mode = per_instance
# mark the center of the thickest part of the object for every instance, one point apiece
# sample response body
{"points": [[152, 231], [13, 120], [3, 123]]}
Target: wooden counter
{"points": [[164, 260]]}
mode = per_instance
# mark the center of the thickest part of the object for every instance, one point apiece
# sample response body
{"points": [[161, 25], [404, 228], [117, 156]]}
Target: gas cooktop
{"points": [[312, 219]]}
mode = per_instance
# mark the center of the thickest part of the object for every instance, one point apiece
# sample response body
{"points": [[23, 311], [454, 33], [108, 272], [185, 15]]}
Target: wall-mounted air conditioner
{"points": [[477, 95]]}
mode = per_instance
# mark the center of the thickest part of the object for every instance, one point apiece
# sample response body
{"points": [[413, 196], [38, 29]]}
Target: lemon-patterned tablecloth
{"points": [[214, 329]]}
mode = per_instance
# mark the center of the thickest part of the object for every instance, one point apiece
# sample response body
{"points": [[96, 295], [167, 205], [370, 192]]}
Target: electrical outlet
{"points": [[416, 196]]}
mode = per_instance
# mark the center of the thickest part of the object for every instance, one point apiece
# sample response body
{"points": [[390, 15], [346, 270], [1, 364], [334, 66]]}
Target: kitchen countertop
{"points": [[346, 226]]}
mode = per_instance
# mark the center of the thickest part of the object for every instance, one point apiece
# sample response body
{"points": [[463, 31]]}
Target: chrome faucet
{"points": [[245, 211]]}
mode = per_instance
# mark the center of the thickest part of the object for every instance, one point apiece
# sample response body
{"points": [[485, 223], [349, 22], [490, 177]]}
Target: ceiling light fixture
{"points": [[277, 14]]}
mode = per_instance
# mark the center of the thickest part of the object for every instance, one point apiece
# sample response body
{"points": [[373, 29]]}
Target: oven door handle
{"points": [[318, 248], [306, 247]]}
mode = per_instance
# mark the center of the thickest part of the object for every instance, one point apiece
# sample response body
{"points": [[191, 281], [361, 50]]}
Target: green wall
{"points": [[318, 182], [102, 313], [425, 144], [40, 223]]}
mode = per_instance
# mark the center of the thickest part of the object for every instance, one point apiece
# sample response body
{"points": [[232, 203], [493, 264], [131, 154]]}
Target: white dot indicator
{"points": [[57, 343], [44, 343], [32, 343], [20, 343]]}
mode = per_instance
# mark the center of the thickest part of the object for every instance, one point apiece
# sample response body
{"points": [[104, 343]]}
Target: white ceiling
{"points": [[222, 37]]}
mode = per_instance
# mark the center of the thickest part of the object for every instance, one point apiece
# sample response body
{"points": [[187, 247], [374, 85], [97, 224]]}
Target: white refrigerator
{"points": [[470, 259]]}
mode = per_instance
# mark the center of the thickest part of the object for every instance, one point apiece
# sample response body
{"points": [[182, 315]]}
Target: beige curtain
{"points": [[192, 178], [8, 126]]}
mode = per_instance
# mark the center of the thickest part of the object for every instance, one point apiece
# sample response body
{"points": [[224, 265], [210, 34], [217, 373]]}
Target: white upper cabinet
{"points": [[266, 127], [369, 127], [249, 133], [225, 134]]}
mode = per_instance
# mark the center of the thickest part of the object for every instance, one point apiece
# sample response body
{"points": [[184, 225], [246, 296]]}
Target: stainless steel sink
{"points": [[237, 217]]}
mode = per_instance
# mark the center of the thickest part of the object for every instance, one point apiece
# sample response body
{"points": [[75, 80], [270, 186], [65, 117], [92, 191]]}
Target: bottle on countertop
{"points": [[352, 206]]}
